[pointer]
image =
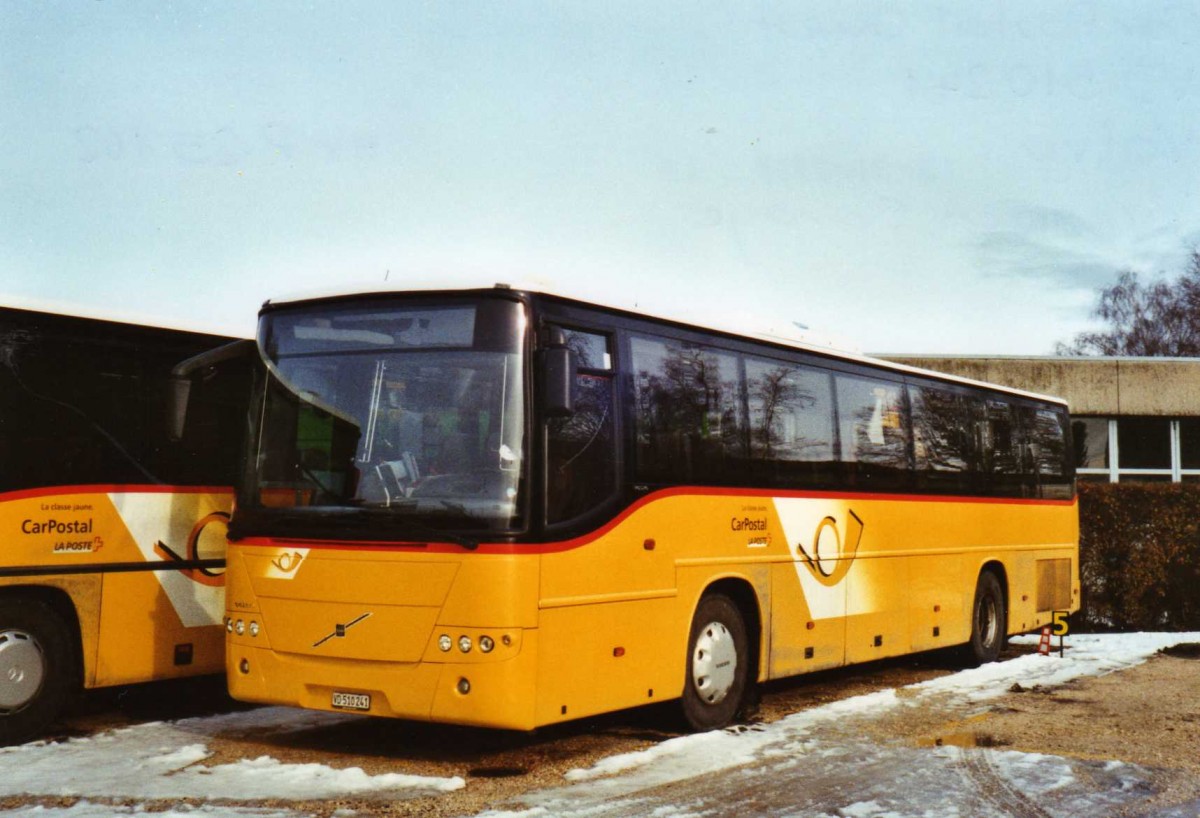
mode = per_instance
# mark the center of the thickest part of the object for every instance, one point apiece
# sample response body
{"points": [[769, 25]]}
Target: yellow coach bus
{"points": [[508, 508], [112, 550]]}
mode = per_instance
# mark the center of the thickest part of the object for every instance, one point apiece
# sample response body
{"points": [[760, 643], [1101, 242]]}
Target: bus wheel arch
{"points": [[721, 666], [39, 660], [989, 616]]}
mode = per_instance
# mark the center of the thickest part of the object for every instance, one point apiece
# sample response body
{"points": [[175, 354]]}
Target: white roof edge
{"points": [[541, 288], [945, 356], [72, 310]]}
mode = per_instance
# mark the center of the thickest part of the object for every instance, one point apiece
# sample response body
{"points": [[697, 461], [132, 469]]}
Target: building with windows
{"points": [[1133, 419]]}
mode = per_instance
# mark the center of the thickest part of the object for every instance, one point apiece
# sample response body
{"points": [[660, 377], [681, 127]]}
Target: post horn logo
{"points": [[203, 555], [830, 557], [288, 562]]}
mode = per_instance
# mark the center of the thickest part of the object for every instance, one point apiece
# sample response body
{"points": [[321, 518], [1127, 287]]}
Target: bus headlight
{"points": [[239, 628], [445, 643], [464, 644], [253, 628], [229, 624], [486, 644]]}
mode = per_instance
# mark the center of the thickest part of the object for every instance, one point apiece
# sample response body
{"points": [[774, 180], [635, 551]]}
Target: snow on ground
{"points": [[715, 769], [166, 761], [87, 809], [781, 763]]}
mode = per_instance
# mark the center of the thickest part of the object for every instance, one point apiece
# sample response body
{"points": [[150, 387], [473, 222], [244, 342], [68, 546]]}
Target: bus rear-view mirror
{"points": [[559, 376]]}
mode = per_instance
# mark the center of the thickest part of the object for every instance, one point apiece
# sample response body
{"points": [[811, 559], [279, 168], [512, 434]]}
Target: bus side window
{"points": [[791, 424], [581, 464], [873, 433], [82, 395], [1049, 454], [688, 413], [1002, 448], [947, 439], [215, 428]]}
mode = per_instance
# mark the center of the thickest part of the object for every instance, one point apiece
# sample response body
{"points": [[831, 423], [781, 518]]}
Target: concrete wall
{"points": [[1092, 386]]}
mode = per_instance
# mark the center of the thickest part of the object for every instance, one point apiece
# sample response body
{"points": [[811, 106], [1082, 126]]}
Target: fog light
{"points": [[244, 666], [445, 643], [239, 628], [486, 644], [464, 686], [253, 628], [464, 644]]}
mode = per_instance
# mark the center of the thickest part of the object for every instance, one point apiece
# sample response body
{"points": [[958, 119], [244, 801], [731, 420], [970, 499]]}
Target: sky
{"points": [[909, 178], [145, 766]]}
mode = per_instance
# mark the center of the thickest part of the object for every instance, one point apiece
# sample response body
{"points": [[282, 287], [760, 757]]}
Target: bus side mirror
{"points": [[558, 369], [180, 383]]}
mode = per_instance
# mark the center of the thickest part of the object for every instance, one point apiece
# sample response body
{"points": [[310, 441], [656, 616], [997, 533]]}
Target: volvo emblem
{"points": [[339, 630]]}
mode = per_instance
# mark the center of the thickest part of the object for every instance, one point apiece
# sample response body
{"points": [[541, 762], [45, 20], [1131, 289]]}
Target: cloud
{"points": [[1015, 254], [1061, 249]]}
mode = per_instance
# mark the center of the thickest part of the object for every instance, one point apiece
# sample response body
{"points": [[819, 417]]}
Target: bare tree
{"points": [[1160, 318]]}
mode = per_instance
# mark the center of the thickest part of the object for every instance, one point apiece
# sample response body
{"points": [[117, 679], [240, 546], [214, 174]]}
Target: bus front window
{"points": [[409, 412]]}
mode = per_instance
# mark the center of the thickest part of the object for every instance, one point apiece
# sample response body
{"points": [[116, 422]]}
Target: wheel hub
{"points": [[714, 663], [989, 622], [22, 668]]}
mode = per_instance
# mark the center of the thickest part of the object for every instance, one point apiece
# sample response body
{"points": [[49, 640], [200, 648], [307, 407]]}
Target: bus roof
{"points": [[100, 314], [778, 333]]}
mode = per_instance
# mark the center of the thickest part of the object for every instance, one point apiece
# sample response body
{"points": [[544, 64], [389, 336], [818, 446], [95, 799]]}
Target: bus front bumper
{"points": [[498, 694]]}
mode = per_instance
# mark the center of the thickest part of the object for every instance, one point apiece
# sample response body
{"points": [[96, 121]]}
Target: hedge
{"points": [[1139, 556]]}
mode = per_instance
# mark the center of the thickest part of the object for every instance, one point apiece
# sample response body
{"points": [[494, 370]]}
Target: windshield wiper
{"points": [[468, 543], [352, 519]]}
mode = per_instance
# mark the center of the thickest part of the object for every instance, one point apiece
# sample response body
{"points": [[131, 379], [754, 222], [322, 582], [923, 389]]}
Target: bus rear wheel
{"points": [[715, 685], [988, 621], [37, 668]]}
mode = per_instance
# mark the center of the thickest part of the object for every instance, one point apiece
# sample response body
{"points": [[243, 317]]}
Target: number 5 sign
{"points": [[1059, 627]]}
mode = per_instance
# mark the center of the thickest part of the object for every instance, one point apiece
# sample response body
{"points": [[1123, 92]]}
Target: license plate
{"points": [[352, 701]]}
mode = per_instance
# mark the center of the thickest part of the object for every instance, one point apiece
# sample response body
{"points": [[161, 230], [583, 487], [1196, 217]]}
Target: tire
{"points": [[716, 670], [989, 620], [38, 673]]}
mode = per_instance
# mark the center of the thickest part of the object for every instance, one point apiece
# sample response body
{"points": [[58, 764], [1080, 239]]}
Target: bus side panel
{"points": [[798, 642], [616, 612], [937, 602], [877, 623], [131, 621], [68, 535], [142, 638], [608, 656], [1019, 541], [165, 623]]}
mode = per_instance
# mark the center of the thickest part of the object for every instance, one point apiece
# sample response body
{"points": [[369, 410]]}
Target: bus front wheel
{"points": [[37, 668], [715, 686], [988, 621]]}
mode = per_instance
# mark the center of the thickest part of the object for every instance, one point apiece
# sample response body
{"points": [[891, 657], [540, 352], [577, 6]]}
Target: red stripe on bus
{"points": [[435, 547], [51, 491]]}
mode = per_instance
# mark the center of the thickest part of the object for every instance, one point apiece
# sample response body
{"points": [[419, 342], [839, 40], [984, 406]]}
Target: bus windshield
{"points": [[393, 417]]}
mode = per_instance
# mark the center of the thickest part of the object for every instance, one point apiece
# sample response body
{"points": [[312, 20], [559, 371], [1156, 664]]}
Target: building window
{"points": [[1137, 449], [1144, 444], [1090, 438], [1189, 447]]}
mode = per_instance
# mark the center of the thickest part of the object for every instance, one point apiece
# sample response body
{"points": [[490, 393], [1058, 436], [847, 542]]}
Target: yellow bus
{"points": [[508, 508], [113, 548]]}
